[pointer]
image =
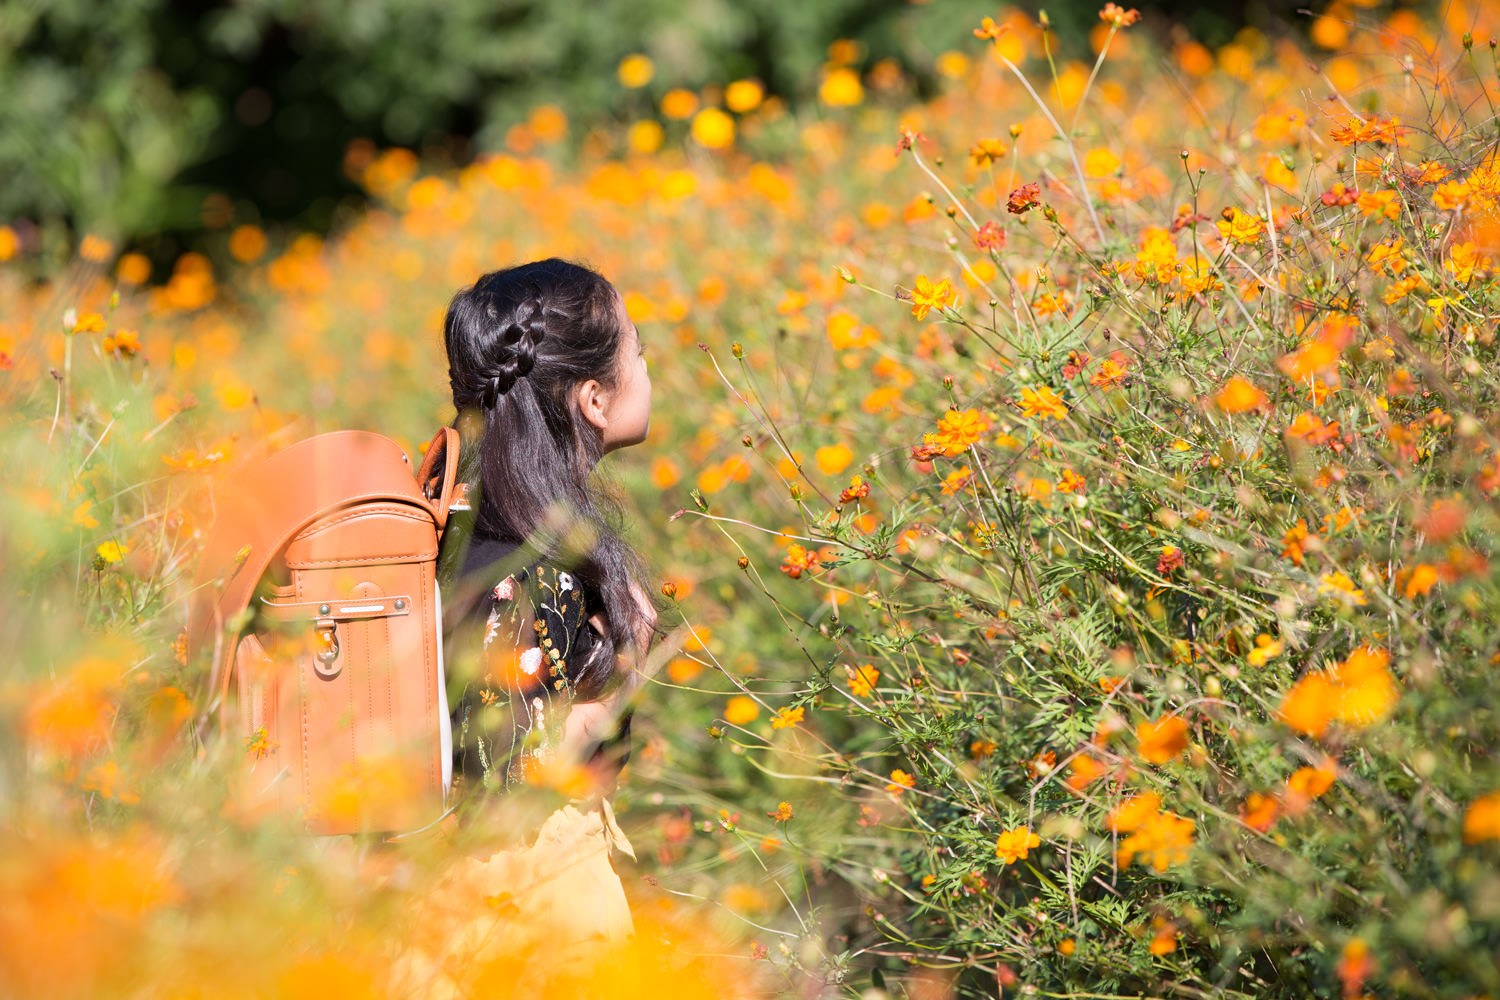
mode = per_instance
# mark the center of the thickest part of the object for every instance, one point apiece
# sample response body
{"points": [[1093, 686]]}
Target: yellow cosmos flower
{"points": [[1043, 403], [927, 296]]}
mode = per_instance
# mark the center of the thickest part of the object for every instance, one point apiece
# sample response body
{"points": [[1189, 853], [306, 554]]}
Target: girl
{"points": [[547, 616]]}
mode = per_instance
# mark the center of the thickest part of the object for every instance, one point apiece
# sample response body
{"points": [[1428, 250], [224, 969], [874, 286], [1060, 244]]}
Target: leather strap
{"points": [[444, 446], [341, 611]]}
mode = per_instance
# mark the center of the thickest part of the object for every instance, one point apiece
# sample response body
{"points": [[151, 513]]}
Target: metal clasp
{"points": [[326, 654]]}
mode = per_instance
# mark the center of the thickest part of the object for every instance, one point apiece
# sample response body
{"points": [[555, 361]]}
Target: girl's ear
{"points": [[593, 403]]}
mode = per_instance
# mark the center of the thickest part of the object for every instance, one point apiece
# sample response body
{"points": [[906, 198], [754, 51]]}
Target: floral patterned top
{"points": [[516, 681]]}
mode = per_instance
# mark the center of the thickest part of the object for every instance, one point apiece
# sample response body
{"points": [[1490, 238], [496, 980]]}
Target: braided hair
{"points": [[519, 341]]}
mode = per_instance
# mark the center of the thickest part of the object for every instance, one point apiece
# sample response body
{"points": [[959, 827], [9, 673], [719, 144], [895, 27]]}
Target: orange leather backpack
{"points": [[316, 596]]}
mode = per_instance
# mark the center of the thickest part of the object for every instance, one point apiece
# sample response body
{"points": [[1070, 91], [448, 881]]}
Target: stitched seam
{"points": [[430, 672], [422, 556], [348, 674], [353, 636], [302, 690], [393, 510], [390, 707]]}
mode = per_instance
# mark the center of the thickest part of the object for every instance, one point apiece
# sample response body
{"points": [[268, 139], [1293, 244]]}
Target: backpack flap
{"points": [[340, 699]]}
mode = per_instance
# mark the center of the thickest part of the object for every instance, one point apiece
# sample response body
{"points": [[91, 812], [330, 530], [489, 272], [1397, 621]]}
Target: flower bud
{"points": [[736, 349]]}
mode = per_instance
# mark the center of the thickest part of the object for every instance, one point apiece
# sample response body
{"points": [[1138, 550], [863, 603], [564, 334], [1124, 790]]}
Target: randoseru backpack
{"points": [[317, 600]]}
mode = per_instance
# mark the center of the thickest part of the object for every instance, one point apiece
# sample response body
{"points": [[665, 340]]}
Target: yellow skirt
{"points": [[524, 919]]}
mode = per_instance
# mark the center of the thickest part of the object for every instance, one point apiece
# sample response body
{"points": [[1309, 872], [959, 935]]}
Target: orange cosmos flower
{"points": [[1342, 588], [89, 322], [1292, 541], [1011, 846], [927, 296], [990, 30], [1112, 372], [1309, 427], [862, 680], [1354, 966], [1482, 819], [987, 151], [1265, 648], [1164, 938], [956, 480], [1358, 691], [958, 431], [1310, 705], [1367, 687], [1083, 771], [1351, 131], [1118, 16], [1163, 739], [1071, 482], [1043, 403], [1197, 276], [1417, 580], [1133, 812], [1160, 840], [1444, 519], [900, 782], [124, 343], [1427, 172], [740, 710], [1239, 396], [782, 814], [1259, 811], [1308, 783]]}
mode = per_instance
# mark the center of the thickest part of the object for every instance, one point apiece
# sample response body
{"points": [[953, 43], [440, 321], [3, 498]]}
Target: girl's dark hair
{"points": [[519, 341]]}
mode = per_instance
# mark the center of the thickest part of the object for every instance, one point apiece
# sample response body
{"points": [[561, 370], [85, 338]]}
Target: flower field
{"points": [[1074, 496]]}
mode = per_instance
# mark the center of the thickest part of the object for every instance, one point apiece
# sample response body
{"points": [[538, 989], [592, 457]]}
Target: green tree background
{"points": [[122, 118]]}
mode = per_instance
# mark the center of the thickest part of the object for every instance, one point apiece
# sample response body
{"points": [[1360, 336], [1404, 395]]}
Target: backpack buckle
{"points": [[325, 635]]}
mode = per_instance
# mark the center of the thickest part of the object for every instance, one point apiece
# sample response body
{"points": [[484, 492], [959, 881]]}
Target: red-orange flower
{"points": [[798, 559], [1023, 199], [989, 237], [857, 489], [1169, 560]]}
